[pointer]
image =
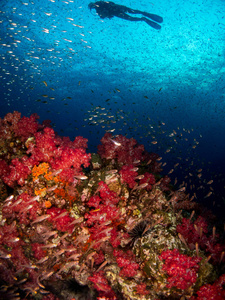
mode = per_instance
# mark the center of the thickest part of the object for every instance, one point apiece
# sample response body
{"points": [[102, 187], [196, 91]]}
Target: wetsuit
{"points": [[110, 9]]}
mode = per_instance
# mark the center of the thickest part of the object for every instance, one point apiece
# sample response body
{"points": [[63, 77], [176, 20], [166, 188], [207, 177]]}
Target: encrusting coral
{"points": [[99, 226]]}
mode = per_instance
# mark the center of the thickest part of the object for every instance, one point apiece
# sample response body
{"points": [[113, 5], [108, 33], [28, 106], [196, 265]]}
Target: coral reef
{"points": [[107, 225]]}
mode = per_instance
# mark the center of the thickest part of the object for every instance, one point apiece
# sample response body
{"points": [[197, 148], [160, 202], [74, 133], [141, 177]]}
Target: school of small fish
{"points": [[61, 40]]}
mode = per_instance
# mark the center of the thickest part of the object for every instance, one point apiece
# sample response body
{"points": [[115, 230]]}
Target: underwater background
{"points": [[165, 88]]}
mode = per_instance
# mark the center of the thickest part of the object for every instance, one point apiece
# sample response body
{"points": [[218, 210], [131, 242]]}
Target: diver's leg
{"points": [[129, 18], [151, 16]]}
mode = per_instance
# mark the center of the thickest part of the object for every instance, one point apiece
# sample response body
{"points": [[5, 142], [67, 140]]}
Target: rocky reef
{"points": [[104, 226]]}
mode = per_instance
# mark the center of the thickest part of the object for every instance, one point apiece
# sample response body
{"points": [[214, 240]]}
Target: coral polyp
{"points": [[76, 225]]}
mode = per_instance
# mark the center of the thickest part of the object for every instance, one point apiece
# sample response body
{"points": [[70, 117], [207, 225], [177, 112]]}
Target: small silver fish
{"points": [[40, 219], [81, 177]]}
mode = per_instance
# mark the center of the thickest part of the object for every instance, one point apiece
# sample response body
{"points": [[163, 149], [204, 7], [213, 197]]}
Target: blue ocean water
{"points": [[165, 88]]}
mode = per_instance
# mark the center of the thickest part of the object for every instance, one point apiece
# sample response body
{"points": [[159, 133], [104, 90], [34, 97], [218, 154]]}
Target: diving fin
{"points": [[155, 18], [151, 23]]}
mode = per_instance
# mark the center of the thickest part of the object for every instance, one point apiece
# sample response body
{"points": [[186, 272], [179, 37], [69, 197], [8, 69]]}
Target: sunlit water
{"points": [[89, 75]]}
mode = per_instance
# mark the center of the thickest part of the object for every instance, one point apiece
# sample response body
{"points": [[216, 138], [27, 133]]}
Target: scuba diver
{"points": [[108, 9]]}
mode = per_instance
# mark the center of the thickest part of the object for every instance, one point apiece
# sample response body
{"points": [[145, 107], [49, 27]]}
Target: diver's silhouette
{"points": [[108, 9]]}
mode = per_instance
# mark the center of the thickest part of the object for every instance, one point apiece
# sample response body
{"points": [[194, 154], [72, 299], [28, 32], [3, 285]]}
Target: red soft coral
{"points": [[126, 261], [181, 269], [9, 124], [61, 219], [196, 232], [9, 237], [108, 196], [101, 284], [94, 201], [128, 174], [18, 172], [102, 214], [26, 127], [43, 149], [126, 151], [215, 291], [24, 208], [38, 250], [150, 179]]}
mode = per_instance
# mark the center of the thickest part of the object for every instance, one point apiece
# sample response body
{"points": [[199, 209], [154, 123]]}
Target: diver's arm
{"points": [[104, 9]]}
